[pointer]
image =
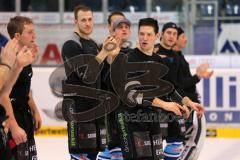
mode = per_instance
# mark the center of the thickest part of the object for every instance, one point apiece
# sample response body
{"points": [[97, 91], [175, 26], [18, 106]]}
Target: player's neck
{"points": [[165, 46], [176, 48], [82, 35], [146, 52], [124, 44], [20, 46]]}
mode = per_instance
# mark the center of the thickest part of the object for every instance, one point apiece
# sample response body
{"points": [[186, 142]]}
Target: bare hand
{"points": [[185, 111], [203, 71], [195, 106], [9, 52], [198, 108], [173, 107], [114, 43], [35, 51], [25, 57], [37, 121], [18, 134]]}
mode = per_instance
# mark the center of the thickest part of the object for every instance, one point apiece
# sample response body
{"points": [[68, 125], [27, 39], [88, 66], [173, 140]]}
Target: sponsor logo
{"points": [[230, 47], [124, 132], [91, 135], [53, 131], [157, 142], [220, 99], [141, 143], [211, 133]]}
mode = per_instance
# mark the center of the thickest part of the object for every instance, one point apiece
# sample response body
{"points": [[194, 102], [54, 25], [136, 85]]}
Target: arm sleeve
{"points": [[175, 97], [76, 68], [187, 82], [186, 79], [70, 49]]}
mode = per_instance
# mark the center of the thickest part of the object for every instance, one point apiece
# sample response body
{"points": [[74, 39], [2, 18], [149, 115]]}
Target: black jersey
{"points": [[106, 80], [125, 50], [70, 50], [113, 136], [187, 80], [179, 73], [170, 59], [20, 93], [138, 56], [19, 97]]}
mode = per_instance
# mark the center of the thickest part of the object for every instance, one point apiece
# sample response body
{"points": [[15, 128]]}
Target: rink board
{"points": [[218, 95], [211, 132]]}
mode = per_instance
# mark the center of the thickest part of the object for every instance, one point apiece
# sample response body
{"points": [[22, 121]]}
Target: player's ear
{"points": [[130, 32], [75, 21], [157, 36], [109, 27], [114, 34], [17, 36], [160, 35]]}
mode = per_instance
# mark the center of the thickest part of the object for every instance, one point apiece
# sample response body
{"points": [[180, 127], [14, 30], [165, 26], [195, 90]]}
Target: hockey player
{"points": [[16, 95], [84, 61], [168, 39], [140, 137], [196, 128]]}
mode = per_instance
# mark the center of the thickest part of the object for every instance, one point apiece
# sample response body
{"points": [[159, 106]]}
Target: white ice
{"points": [[55, 148]]}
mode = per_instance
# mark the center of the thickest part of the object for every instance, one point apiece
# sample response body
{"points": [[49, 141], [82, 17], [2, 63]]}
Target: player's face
{"points": [[169, 37], [28, 35], [114, 18], [182, 41], [84, 22], [123, 32], [147, 38]]}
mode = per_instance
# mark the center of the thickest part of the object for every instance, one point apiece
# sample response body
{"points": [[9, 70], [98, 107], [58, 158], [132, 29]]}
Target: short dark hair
{"points": [[16, 25], [180, 31], [80, 8], [149, 22], [169, 25], [114, 14]]}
